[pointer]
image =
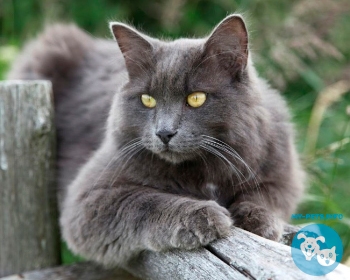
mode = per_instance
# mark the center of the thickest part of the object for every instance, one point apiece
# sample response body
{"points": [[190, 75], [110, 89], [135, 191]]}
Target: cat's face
{"points": [[327, 257], [182, 94]]}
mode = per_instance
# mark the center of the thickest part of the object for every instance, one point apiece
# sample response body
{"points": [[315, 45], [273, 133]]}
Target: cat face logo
{"points": [[310, 247], [327, 257]]}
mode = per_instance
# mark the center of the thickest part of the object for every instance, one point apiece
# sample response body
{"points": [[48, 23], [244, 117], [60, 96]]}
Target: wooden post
{"points": [[29, 235]]}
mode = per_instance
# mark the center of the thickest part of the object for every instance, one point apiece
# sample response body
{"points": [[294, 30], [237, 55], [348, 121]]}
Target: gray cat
{"points": [[194, 140]]}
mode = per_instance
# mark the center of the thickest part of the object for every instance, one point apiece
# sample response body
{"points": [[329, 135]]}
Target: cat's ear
{"points": [[229, 43], [135, 47]]}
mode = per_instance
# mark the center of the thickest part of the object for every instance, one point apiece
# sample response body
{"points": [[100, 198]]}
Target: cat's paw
{"points": [[202, 225], [256, 219]]}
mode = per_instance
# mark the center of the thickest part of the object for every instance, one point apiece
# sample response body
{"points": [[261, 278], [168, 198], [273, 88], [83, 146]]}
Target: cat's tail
{"points": [[53, 55]]}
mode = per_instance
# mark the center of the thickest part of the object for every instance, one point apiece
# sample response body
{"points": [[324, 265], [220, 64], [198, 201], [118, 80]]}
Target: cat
{"points": [[326, 257], [164, 144]]}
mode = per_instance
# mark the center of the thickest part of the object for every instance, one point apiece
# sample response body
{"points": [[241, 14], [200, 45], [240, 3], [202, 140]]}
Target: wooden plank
{"points": [[198, 264], [260, 258], [81, 271], [29, 236], [177, 265], [241, 256]]}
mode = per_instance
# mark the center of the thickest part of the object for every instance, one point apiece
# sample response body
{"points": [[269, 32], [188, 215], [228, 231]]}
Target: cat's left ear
{"points": [[229, 43]]}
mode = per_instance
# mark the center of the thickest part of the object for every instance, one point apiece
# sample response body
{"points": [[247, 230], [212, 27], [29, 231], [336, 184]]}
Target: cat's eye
{"points": [[330, 255], [148, 101], [196, 99]]}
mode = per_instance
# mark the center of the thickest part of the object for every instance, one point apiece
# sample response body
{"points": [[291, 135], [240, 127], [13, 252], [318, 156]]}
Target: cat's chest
{"points": [[191, 179], [193, 185]]}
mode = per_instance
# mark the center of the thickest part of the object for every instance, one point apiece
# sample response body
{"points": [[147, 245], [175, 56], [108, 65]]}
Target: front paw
{"points": [[256, 219], [201, 225]]}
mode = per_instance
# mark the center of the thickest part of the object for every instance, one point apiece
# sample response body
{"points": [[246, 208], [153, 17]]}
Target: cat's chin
{"points": [[174, 157]]}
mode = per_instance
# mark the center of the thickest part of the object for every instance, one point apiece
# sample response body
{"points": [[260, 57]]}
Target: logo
{"points": [[317, 249]]}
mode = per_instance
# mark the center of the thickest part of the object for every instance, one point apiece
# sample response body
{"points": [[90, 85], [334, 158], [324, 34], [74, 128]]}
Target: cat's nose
{"points": [[165, 135]]}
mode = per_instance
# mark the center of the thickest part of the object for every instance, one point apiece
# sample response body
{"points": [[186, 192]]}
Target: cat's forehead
{"points": [[179, 52], [175, 60]]}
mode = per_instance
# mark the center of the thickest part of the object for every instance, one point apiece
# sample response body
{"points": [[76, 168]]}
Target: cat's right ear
{"points": [[135, 47]]}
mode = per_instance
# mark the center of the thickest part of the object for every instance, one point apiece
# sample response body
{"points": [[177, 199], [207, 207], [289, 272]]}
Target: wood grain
{"points": [[29, 237], [81, 271], [260, 258], [177, 265]]}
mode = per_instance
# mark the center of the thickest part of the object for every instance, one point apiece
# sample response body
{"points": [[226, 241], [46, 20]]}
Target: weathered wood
{"points": [[260, 258], [81, 271], [241, 256], [29, 236], [177, 265]]}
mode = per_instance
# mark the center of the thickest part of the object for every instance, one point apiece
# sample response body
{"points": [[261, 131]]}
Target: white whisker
{"points": [[224, 147]]}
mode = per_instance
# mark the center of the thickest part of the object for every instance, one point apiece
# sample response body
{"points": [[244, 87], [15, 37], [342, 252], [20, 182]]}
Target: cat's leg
{"points": [[264, 209], [267, 202], [257, 218], [111, 223]]}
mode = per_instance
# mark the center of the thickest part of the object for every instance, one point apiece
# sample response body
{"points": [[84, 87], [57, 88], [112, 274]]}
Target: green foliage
{"points": [[300, 46]]}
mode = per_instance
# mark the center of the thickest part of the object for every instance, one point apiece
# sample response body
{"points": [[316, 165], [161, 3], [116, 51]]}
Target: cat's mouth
{"points": [[173, 155]]}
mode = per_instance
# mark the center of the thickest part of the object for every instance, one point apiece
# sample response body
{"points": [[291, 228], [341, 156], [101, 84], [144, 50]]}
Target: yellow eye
{"points": [[196, 99], [148, 101]]}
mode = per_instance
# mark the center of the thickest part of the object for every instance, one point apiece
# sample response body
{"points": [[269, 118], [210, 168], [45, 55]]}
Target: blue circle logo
{"points": [[317, 249]]}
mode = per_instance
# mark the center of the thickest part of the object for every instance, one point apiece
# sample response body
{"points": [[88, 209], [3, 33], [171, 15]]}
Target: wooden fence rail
{"points": [[29, 239]]}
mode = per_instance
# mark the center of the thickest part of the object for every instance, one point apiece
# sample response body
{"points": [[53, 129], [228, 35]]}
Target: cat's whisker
{"points": [[114, 158], [224, 160], [104, 170], [237, 171], [227, 148], [249, 169], [127, 147], [130, 155], [246, 180], [230, 150], [202, 156], [129, 151]]}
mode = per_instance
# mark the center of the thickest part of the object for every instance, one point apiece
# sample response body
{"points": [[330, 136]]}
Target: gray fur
{"points": [[136, 193]]}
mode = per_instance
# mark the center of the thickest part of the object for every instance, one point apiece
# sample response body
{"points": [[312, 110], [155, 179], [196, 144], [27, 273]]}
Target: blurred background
{"points": [[300, 46]]}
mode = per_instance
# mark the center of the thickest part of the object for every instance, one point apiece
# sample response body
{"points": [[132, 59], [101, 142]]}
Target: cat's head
{"points": [[326, 257], [178, 91]]}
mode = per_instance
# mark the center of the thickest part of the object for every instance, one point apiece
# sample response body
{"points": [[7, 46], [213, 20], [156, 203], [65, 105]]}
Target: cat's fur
{"points": [[136, 193]]}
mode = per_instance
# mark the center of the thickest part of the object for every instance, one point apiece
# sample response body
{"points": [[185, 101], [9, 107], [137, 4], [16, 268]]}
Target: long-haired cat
{"points": [[164, 144]]}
